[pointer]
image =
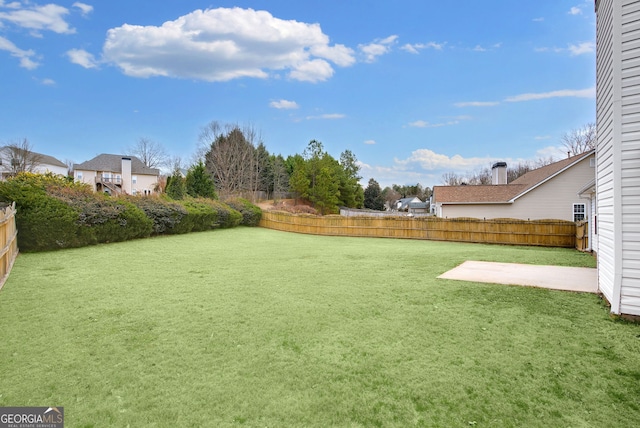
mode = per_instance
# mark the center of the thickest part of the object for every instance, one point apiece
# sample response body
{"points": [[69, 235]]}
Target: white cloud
{"points": [[542, 137], [419, 124], [85, 9], [563, 93], [538, 19], [224, 44], [48, 17], [284, 104], [552, 152], [327, 116], [25, 56], [377, 48], [370, 142], [477, 104], [572, 49], [316, 70], [417, 47], [48, 82], [430, 161], [582, 48], [575, 11], [425, 124], [579, 93], [480, 48], [82, 58]]}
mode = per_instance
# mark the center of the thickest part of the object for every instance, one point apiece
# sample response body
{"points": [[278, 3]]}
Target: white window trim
{"points": [[583, 212]]}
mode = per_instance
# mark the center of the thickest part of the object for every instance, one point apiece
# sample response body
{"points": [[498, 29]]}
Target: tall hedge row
{"points": [[54, 213]]}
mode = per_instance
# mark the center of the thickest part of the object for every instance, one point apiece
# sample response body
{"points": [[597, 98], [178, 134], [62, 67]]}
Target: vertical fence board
{"points": [[545, 233], [8, 241]]}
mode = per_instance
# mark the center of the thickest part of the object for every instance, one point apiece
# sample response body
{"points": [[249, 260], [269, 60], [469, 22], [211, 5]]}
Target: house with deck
{"points": [[617, 183], [117, 174]]}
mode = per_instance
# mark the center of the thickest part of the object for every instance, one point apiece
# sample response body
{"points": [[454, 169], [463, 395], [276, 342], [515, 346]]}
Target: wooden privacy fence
{"points": [[8, 240], [545, 233], [582, 236]]}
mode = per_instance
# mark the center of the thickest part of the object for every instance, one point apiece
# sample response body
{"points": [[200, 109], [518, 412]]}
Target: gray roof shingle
{"points": [[113, 163]]}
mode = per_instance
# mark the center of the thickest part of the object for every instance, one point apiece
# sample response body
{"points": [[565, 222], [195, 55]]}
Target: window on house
{"points": [[79, 175], [579, 212], [134, 179]]}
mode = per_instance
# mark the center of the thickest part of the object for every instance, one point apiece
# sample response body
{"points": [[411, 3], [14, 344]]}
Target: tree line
{"points": [[234, 161]]}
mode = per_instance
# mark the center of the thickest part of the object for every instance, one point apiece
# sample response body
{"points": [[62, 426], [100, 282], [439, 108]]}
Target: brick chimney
{"points": [[499, 173]]}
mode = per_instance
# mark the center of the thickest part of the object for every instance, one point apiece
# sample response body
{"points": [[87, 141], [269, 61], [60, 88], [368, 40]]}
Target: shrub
{"points": [[201, 216], [43, 222], [54, 213], [165, 215], [46, 223], [251, 214], [227, 216], [110, 220]]}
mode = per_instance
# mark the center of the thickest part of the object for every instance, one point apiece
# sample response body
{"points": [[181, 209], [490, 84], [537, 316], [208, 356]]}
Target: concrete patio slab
{"points": [[578, 279]]}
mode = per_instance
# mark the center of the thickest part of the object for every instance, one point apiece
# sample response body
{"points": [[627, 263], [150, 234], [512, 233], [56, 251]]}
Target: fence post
{"points": [[8, 240]]}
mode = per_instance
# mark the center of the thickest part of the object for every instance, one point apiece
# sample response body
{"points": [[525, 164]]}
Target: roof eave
{"points": [[580, 159]]}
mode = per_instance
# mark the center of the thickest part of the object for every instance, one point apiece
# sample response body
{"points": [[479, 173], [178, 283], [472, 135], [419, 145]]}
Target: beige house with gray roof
{"points": [[557, 191], [117, 174]]}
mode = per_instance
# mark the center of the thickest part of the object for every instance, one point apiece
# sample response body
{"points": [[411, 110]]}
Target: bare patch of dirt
{"points": [[288, 205]]}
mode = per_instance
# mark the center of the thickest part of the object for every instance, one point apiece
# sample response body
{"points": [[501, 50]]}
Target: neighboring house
{"points": [[618, 153], [116, 174], [38, 163], [550, 192], [412, 205]]}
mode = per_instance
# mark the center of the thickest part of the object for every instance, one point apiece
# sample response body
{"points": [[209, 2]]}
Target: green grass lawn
{"points": [[253, 327]]}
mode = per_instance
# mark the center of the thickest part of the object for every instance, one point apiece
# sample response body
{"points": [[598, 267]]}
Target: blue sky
{"points": [[413, 88]]}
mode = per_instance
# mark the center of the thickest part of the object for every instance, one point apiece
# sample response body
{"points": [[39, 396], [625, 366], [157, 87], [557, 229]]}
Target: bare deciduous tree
{"points": [[69, 164], [580, 140], [21, 157], [151, 153], [235, 157], [451, 179]]}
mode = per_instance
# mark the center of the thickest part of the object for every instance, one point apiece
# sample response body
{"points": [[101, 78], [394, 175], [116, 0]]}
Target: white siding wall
{"points": [[552, 200], [54, 169], [618, 170], [630, 158], [605, 161]]}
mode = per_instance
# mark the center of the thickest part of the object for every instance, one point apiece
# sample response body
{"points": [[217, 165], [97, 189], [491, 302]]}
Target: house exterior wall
{"points": [[145, 184], [618, 148], [87, 177], [45, 168], [552, 200]]}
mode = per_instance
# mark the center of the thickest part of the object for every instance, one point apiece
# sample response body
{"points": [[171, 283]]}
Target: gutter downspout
{"points": [[589, 220]]}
